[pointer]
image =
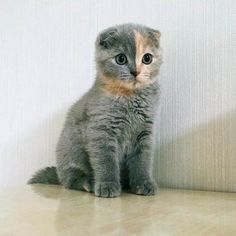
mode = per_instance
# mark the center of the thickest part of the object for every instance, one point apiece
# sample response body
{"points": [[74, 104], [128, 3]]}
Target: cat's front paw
{"points": [[107, 189], [146, 188]]}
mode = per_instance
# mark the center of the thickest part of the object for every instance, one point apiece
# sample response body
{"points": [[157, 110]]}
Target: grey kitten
{"points": [[107, 138]]}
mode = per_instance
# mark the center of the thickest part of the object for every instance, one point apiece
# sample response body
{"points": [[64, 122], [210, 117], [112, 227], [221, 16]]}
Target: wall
{"points": [[46, 63]]}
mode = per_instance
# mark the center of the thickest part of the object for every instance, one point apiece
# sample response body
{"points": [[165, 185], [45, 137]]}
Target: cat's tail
{"points": [[47, 175]]}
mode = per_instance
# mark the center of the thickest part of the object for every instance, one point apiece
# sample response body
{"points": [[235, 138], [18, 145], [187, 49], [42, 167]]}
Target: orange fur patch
{"points": [[142, 45], [118, 87]]}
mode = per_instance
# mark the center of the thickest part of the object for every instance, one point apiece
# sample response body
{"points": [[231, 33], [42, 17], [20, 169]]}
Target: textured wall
{"points": [[197, 130], [46, 63]]}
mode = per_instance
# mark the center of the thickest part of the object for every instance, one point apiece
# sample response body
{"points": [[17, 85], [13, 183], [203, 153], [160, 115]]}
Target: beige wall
{"points": [[46, 63], [203, 157], [197, 129]]}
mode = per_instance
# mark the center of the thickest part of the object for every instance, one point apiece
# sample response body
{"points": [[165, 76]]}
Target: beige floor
{"points": [[51, 210]]}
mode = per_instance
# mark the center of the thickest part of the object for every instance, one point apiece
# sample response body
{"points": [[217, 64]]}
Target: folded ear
{"points": [[155, 33], [106, 38], [155, 36]]}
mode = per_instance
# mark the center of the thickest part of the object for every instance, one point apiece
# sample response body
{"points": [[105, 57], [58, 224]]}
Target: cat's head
{"points": [[128, 57]]}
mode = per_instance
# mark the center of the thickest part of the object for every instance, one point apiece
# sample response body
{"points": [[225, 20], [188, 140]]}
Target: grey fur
{"points": [[106, 141], [47, 175]]}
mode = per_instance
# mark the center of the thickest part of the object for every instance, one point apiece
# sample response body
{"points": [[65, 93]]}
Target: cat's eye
{"points": [[121, 59], [147, 59]]}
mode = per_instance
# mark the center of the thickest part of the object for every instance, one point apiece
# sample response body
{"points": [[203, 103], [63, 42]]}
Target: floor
{"points": [[52, 210]]}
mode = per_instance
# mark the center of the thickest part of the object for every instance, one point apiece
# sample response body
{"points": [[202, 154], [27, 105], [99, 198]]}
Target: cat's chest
{"points": [[129, 121], [133, 115]]}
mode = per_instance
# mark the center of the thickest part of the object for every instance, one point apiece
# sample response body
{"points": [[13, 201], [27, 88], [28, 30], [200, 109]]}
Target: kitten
{"points": [[107, 138]]}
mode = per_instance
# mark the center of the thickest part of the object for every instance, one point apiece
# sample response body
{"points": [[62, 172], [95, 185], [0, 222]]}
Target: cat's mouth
{"points": [[142, 82], [135, 79], [120, 87]]}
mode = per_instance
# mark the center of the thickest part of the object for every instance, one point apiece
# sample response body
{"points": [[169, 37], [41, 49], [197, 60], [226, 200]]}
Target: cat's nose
{"points": [[134, 73]]}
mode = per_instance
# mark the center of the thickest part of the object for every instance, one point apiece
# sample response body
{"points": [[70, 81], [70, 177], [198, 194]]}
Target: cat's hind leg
{"points": [[74, 178], [73, 166]]}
